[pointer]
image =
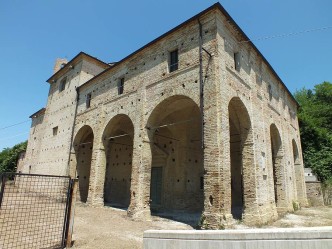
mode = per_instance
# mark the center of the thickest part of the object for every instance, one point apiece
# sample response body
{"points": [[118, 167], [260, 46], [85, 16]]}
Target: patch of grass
{"points": [[296, 206]]}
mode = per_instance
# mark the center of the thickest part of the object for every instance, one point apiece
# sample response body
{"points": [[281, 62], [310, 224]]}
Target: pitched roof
{"points": [[77, 58]]}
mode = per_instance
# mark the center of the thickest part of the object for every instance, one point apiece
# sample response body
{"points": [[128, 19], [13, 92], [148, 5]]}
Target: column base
{"points": [[303, 202], [139, 214], [97, 201], [209, 221]]}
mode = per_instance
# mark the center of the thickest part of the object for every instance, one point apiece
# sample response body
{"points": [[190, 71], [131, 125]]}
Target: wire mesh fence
{"points": [[33, 210]]}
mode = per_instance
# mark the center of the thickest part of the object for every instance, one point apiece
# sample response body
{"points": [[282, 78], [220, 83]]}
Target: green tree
{"points": [[315, 119], [9, 157]]}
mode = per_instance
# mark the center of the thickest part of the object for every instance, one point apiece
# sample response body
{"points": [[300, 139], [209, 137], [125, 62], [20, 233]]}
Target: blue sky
{"points": [[34, 33]]}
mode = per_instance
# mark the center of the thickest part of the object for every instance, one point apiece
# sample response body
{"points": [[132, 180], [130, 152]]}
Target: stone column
{"points": [[72, 163], [212, 187], [300, 181], [97, 173], [283, 202], [139, 207], [213, 190]]}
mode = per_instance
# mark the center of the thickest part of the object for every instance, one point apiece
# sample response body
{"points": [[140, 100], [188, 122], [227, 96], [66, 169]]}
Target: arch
{"points": [[168, 106], [83, 145], [277, 165], [241, 155], [174, 130], [295, 151], [118, 144], [298, 168]]}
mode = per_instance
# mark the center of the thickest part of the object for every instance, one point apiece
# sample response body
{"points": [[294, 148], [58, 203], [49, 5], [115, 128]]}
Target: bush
{"points": [[9, 157]]}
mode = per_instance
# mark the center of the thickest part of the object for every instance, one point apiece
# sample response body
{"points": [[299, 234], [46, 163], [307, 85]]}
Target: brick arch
{"points": [[163, 107], [295, 151], [112, 126], [117, 139], [174, 132], [82, 133], [243, 179], [278, 167], [83, 145]]}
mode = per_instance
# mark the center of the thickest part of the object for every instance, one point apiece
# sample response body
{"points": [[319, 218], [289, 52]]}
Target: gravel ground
{"points": [[107, 227], [307, 217]]}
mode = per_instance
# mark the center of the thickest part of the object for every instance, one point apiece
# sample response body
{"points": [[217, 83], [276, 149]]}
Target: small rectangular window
{"points": [[55, 130], [237, 59], [270, 92], [173, 61], [88, 100], [63, 84], [121, 86], [201, 182]]}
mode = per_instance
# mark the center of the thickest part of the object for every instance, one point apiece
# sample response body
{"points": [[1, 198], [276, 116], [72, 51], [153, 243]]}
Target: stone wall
{"points": [[20, 162], [50, 133], [327, 195], [314, 193]]}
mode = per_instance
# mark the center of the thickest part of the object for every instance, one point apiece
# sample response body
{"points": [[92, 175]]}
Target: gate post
{"points": [[71, 211], [3, 182]]}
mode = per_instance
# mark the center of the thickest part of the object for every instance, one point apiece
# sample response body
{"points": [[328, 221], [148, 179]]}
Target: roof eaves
{"points": [[225, 13], [37, 113], [67, 66], [152, 42]]}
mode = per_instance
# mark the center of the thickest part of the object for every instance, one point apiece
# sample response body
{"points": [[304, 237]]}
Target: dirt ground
{"points": [[106, 227], [306, 217]]}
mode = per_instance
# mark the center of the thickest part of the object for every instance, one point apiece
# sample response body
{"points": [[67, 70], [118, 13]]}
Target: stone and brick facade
{"points": [[196, 121], [315, 194]]}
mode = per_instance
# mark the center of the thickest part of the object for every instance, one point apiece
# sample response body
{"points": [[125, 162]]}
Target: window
{"points": [[88, 100], [121, 86], [55, 130], [270, 92], [201, 182], [237, 59], [63, 84], [173, 61]]}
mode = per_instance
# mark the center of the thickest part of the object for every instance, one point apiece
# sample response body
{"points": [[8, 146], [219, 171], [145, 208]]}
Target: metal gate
{"points": [[34, 210]]}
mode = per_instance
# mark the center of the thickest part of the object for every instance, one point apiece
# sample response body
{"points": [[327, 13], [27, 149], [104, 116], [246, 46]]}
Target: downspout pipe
{"points": [[72, 130], [201, 83]]}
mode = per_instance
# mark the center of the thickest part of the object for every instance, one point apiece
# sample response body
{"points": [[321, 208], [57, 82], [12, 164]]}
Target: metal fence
{"points": [[34, 210]]}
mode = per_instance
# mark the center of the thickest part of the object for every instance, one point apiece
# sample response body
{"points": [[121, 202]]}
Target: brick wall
{"points": [[246, 109]]}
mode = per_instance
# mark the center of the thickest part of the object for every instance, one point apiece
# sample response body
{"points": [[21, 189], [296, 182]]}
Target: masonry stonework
{"points": [[217, 138]]}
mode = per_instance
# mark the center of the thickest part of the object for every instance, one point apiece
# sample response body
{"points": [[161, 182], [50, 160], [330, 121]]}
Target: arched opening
{"points": [[83, 145], [118, 143], [241, 156], [298, 171], [177, 170], [277, 159]]}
